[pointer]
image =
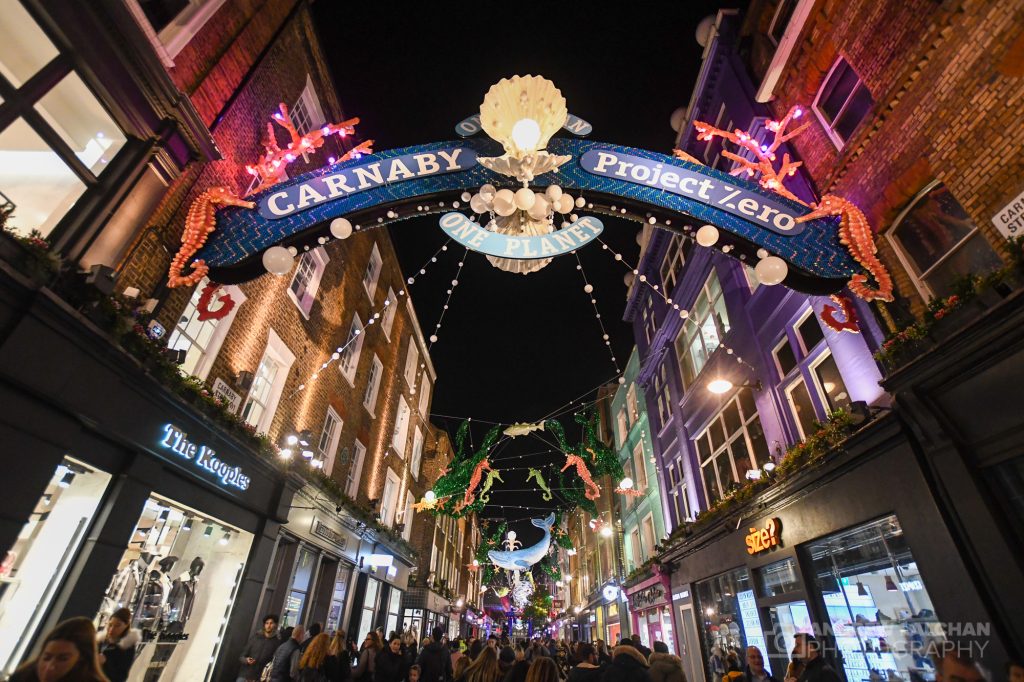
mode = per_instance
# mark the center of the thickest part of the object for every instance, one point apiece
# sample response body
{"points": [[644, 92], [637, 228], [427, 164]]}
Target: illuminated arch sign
{"points": [[471, 235], [427, 178]]}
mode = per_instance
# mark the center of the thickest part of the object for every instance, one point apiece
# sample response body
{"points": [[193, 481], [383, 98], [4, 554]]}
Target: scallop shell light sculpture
{"points": [[513, 105]]}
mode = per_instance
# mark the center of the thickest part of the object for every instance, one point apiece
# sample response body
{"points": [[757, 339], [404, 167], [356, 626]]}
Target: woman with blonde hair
{"points": [[312, 665], [68, 655], [543, 669], [485, 668], [338, 665]]}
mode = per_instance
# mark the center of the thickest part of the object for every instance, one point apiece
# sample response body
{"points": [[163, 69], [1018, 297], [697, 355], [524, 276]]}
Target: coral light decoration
{"points": [[849, 321], [593, 491], [227, 303], [199, 223], [272, 167], [854, 231]]}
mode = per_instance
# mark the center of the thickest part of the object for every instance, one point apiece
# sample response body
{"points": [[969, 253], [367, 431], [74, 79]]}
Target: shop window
{"points": [[355, 470], [732, 444], [394, 609], [842, 102], [634, 413], [878, 606], [649, 322], [808, 330], [268, 384], [803, 409], [306, 280], [373, 385], [35, 566], [425, 388], [369, 608], [640, 468], [298, 591], [400, 435], [349, 359], [417, 453], [703, 330], [387, 320], [338, 596], [728, 617], [661, 390], [329, 437], [407, 515], [389, 498], [672, 264], [372, 272], [785, 358], [201, 339], [780, 20], [412, 359], [178, 577], [830, 384], [621, 428], [307, 113], [649, 535], [937, 242]]}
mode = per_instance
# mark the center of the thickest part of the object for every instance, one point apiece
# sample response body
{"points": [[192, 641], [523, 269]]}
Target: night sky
{"points": [[513, 347]]}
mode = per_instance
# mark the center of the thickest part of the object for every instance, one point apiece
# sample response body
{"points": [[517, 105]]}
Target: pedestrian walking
{"points": [[259, 650], [284, 666], [543, 669], [434, 660], [68, 655], [313, 663], [628, 665], [391, 665], [485, 668], [665, 667], [589, 668], [339, 659], [755, 670], [807, 653], [367, 658], [117, 645]]}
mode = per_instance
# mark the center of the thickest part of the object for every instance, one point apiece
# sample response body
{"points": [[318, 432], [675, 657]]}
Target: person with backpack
{"points": [[434, 660]]}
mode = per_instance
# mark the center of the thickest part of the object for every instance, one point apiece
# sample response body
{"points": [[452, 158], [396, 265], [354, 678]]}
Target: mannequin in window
{"points": [[151, 609], [183, 593], [126, 586]]}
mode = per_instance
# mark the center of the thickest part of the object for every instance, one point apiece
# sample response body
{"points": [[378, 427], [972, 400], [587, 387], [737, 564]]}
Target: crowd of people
{"points": [[75, 652]]}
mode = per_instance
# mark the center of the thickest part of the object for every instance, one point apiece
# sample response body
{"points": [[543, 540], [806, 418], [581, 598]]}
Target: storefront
{"points": [[381, 580], [134, 501], [852, 555], [651, 611], [423, 610], [313, 564]]}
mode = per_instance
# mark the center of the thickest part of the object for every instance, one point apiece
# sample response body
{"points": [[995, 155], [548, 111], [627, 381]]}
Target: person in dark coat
{"points": [[588, 669], [665, 667], [435, 660], [117, 645], [68, 654], [391, 665], [259, 650], [755, 670], [807, 651], [338, 666], [628, 665], [286, 658], [314, 630], [640, 646]]}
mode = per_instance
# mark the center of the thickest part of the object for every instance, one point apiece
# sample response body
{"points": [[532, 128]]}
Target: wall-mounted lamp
{"points": [[719, 386]]}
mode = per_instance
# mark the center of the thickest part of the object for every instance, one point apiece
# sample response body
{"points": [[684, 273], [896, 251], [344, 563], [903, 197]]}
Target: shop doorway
{"points": [[689, 649]]}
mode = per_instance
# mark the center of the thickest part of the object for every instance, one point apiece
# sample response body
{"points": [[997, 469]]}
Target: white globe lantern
{"points": [[277, 260], [707, 235], [341, 228], [771, 270], [525, 198]]}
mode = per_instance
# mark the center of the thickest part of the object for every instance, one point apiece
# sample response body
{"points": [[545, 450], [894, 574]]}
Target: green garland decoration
{"points": [[535, 473], [451, 487]]}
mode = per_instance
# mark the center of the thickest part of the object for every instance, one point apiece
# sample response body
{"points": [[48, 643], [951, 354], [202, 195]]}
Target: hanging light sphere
{"points": [[488, 191], [540, 208], [525, 198], [589, 288], [606, 532], [477, 204], [565, 204], [429, 496], [526, 134], [622, 380], [761, 253], [277, 260], [505, 202], [626, 483], [771, 270], [707, 235], [341, 228], [554, 192], [433, 338], [292, 250], [466, 196], [580, 202]]}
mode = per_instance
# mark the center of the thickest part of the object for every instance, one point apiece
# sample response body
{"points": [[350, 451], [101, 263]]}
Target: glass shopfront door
{"points": [[178, 577], [876, 601], [730, 620], [33, 569]]}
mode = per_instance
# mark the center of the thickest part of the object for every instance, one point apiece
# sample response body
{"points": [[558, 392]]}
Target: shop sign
{"points": [[473, 236], [763, 539], [325, 532], [558, 603], [223, 391], [353, 179], [1010, 218], [680, 595], [647, 597], [203, 457], [377, 560], [761, 210]]}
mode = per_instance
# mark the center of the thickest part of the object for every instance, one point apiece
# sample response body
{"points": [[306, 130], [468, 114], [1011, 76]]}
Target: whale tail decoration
{"points": [[546, 524]]}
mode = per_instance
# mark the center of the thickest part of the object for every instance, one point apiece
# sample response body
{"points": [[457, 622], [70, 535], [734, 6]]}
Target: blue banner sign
{"points": [[203, 457], [473, 236], [299, 197], [573, 124], [731, 198]]}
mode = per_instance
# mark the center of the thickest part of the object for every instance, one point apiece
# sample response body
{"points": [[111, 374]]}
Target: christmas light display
{"points": [[199, 223], [227, 304], [845, 307]]}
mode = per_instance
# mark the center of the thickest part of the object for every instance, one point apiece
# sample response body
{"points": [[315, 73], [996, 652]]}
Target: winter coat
{"points": [[391, 667], [119, 655], [338, 668], [313, 674], [517, 673], [286, 662], [666, 668], [367, 665], [817, 670], [586, 674], [768, 677], [261, 648], [435, 663], [628, 665]]}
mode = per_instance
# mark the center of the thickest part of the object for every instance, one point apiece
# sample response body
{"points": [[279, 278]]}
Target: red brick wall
{"points": [[947, 91]]}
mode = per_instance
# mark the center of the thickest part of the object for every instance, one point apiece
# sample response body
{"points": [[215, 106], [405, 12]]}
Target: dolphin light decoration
{"points": [[522, 559]]}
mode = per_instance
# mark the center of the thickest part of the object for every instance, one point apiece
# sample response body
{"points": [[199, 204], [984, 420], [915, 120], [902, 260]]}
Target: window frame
{"points": [[829, 125], [416, 460], [372, 392], [319, 259], [775, 17], [788, 393], [632, 407], [621, 425], [683, 354], [375, 258], [784, 341], [412, 359], [639, 467], [310, 107], [356, 352], [388, 511], [672, 264], [355, 470], [812, 368], [285, 358], [220, 331], [645, 522], [335, 438], [387, 320], [807, 352], [426, 386], [726, 447], [402, 420], [408, 515], [664, 396]]}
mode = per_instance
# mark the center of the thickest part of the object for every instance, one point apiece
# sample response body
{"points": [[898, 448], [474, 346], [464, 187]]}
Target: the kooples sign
{"points": [[345, 181], [754, 207], [647, 597], [203, 457], [763, 539]]}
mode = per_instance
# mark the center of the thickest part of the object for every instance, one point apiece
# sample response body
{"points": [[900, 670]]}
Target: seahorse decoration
{"points": [[199, 223], [593, 491], [541, 483], [492, 476], [227, 303], [845, 306], [856, 235], [474, 481]]}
